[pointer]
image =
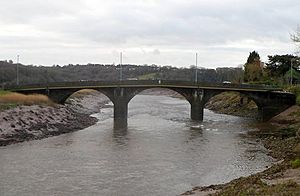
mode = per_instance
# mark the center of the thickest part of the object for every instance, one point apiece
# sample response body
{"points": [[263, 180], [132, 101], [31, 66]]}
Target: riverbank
{"points": [[19, 123], [232, 103], [281, 136]]}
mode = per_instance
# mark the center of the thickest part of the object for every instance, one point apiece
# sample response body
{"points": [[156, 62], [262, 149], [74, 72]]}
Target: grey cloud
{"points": [[164, 24], [156, 52], [25, 11]]}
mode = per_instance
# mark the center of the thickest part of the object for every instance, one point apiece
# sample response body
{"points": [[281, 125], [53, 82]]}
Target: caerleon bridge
{"points": [[270, 101]]}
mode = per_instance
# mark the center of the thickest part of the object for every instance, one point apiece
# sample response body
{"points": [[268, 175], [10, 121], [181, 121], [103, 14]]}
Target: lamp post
{"points": [[121, 59], [196, 71], [18, 58], [291, 80]]}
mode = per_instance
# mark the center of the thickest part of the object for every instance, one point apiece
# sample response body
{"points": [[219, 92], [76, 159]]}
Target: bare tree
{"points": [[296, 38]]}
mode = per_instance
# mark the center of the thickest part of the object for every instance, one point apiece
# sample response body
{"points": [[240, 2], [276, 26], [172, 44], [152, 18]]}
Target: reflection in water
{"points": [[161, 152], [120, 136], [120, 124]]}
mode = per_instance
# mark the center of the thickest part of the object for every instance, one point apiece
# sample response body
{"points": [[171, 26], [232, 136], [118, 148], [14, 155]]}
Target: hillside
{"points": [[41, 74]]}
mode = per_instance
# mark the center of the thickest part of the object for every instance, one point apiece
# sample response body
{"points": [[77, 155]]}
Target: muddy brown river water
{"points": [[162, 152]]}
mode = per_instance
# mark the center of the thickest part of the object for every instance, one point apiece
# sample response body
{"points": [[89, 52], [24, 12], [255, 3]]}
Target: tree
{"points": [[296, 37], [278, 65], [253, 68]]}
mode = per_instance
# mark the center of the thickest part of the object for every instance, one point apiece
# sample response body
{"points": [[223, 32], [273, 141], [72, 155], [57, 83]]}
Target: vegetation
{"points": [[42, 75], [10, 100], [296, 37], [255, 186], [278, 65], [296, 90], [253, 68], [149, 76], [295, 163]]}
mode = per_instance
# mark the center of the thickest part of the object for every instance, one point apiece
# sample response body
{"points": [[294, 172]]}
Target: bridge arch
{"points": [[61, 95], [179, 92], [91, 98]]}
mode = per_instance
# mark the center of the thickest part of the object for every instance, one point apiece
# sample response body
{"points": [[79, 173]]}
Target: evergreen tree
{"points": [[278, 65], [253, 68]]}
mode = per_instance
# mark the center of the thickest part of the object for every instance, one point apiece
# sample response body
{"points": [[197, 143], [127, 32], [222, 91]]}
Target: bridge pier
{"points": [[120, 100], [120, 113], [197, 105]]}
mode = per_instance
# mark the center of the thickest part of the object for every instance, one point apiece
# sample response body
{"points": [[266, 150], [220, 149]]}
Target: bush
{"points": [[298, 100], [296, 91], [295, 163], [17, 98]]}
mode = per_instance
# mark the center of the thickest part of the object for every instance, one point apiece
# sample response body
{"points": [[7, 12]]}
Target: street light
{"points": [[196, 72], [18, 58], [291, 80], [121, 59]]}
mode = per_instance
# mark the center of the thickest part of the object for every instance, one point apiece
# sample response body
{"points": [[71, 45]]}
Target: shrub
{"points": [[295, 163], [18, 98], [296, 91], [298, 100]]}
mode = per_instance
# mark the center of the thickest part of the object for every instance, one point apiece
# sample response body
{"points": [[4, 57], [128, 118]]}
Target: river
{"points": [[162, 152]]}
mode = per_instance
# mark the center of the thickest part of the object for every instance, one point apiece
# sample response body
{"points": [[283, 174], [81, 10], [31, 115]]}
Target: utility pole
{"points": [[121, 74], [292, 60], [196, 72], [18, 58]]}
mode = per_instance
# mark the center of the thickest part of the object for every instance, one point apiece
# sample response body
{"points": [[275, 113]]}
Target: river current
{"points": [[162, 152]]}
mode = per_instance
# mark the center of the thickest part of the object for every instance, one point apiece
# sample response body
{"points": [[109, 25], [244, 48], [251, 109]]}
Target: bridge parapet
{"points": [[133, 83]]}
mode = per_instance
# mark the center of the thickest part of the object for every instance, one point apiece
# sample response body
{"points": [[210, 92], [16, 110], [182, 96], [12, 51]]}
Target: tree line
{"points": [[98, 72]]}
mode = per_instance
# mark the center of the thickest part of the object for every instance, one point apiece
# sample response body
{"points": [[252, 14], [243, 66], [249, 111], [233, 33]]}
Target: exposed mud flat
{"points": [[24, 123], [87, 102], [233, 104]]}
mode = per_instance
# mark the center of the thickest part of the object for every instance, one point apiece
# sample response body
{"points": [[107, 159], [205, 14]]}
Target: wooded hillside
{"points": [[41, 74]]}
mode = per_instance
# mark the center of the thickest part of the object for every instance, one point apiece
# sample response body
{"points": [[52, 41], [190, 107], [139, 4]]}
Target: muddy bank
{"points": [[87, 102], [281, 136], [232, 103], [24, 123]]}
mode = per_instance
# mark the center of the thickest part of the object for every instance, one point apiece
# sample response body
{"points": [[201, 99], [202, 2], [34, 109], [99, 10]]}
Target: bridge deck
{"points": [[145, 83]]}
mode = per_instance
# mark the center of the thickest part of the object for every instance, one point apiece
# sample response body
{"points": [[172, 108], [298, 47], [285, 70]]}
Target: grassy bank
{"points": [[10, 100]]}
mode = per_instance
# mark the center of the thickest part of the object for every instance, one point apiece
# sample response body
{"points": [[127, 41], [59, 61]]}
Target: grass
{"points": [[10, 100], [254, 186], [149, 76], [295, 163], [3, 92]]}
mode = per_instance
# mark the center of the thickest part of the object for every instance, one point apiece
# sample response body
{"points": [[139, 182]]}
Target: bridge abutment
{"points": [[265, 113]]}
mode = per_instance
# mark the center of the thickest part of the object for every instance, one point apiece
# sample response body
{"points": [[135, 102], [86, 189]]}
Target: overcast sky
{"points": [[163, 32]]}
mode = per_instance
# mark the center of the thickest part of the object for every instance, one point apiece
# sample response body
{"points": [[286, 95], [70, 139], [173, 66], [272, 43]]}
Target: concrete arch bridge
{"points": [[270, 101]]}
